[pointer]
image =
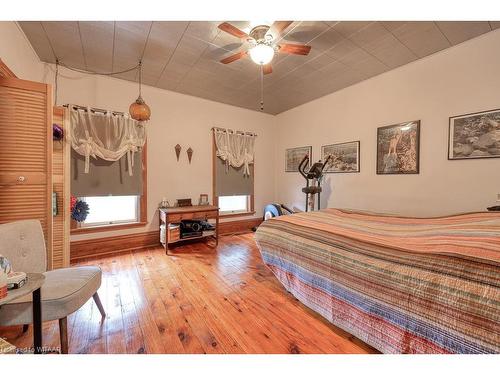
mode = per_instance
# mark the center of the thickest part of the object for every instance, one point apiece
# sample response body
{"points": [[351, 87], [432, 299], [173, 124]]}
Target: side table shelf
{"points": [[174, 215]]}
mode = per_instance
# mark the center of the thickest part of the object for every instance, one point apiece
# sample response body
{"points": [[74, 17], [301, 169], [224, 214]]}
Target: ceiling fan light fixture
{"points": [[261, 54]]}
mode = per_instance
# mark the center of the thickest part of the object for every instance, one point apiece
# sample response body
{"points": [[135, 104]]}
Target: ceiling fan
{"points": [[263, 44]]}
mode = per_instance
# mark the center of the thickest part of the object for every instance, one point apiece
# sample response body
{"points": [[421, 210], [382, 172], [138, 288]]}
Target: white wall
{"points": [[181, 119], [17, 53], [176, 118], [459, 80]]}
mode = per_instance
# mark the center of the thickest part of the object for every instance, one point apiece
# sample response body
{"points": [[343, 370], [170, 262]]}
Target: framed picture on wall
{"points": [[344, 157], [398, 148], [293, 157], [474, 135]]}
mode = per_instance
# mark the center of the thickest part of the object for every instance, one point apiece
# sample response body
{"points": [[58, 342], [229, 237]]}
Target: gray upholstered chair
{"points": [[64, 291]]}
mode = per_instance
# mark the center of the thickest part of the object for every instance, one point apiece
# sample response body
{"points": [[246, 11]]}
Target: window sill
{"points": [[105, 228], [238, 214]]}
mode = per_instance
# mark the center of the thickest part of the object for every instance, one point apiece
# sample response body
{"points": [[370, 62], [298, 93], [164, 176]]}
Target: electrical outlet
{"points": [[498, 197]]}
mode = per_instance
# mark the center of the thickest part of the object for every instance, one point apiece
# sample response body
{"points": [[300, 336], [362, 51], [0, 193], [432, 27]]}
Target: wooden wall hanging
{"points": [[178, 150], [190, 154]]}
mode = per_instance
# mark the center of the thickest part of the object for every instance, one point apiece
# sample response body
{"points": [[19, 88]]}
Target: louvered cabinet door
{"points": [[26, 154], [61, 183]]}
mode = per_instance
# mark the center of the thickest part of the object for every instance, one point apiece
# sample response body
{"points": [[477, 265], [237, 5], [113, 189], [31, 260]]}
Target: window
{"points": [[116, 200], [112, 210], [234, 204], [233, 190]]}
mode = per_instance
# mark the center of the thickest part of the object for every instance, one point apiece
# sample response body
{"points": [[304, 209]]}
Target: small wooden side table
{"points": [[33, 285], [174, 215]]}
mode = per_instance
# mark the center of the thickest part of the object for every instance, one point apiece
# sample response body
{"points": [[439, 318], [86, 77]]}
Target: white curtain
{"points": [[235, 149], [105, 136]]}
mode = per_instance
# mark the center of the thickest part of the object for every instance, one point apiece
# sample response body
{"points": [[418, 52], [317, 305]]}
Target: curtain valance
{"points": [[105, 135], [235, 149]]}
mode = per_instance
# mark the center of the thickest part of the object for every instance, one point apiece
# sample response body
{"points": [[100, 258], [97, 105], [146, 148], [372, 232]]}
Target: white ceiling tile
{"points": [[39, 40], [460, 31], [65, 39], [305, 31], [362, 60], [393, 25], [206, 30], [175, 71], [341, 49], [383, 45], [423, 38], [167, 84], [318, 60], [184, 56], [97, 39], [161, 44], [348, 28], [326, 40], [334, 69], [331, 23], [130, 42]]}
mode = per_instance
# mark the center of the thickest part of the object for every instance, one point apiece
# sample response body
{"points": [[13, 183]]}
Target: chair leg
{"points": [[25, 328], [63, 334], [97, 301]]}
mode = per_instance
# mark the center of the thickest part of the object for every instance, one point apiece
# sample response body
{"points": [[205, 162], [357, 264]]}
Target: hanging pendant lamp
{"points": [[139, 110]]}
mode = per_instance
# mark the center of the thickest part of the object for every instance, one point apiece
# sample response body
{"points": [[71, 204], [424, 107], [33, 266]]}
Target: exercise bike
{"points": [[313, 177]]}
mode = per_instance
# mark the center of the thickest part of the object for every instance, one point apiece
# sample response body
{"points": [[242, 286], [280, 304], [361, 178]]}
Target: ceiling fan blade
{"points": [[228, 28], [278, 27], [295, 49], [234, 57], [267, 69]]}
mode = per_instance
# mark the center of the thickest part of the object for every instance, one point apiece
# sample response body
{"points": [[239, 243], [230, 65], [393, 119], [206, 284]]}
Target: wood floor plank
{"points": [[170, 339], [199, 299]]}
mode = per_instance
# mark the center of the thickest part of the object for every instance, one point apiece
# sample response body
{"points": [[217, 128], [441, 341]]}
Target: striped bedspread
{"points": [[402, 285]]}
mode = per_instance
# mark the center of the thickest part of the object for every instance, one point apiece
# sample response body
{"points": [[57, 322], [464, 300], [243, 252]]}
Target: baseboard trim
{"points": [[113, 245], [238, 226], [98, 247]]}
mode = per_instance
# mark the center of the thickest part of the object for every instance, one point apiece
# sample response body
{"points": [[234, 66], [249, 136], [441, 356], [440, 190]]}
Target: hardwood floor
{"points": [[197, 300]]}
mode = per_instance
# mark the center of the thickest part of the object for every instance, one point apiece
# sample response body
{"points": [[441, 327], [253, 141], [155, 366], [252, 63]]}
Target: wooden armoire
{"points": [[31, 166]]}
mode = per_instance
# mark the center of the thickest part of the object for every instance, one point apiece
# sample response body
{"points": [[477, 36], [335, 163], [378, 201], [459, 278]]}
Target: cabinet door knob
{"points": [[21, 179]]}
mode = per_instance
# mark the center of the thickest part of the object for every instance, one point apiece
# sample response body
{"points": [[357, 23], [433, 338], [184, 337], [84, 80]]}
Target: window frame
{"points": [[248, 205], [215, 199], [76, 228], [117, 222]]}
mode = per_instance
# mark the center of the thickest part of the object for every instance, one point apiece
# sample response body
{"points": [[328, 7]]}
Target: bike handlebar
{"points": [[302, 166], [326, 162]]}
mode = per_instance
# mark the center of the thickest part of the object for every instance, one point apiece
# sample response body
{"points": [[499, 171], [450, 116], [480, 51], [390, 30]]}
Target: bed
{"points": [[402, 285]]}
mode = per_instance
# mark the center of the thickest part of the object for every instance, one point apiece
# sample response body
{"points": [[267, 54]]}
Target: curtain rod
{"points": [[95, 110], [235, 131]]}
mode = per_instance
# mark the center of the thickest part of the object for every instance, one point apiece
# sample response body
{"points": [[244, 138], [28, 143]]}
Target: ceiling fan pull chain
{"points": [[262, 87]]}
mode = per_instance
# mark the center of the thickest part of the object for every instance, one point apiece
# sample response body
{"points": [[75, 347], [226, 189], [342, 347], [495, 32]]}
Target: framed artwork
{"points": [[474, 136], [398, 148], [344, 157], [293, 157]]}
